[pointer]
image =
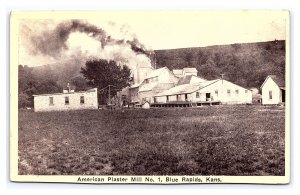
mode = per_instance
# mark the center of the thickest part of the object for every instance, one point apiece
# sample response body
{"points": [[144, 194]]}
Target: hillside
{"points": [[246, 64], [62, 72]]}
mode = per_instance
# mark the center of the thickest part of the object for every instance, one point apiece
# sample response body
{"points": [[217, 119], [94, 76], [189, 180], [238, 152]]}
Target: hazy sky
{"points": [[165, 29]]}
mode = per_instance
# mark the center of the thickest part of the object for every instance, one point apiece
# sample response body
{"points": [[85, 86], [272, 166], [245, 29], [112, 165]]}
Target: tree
{"points": [[188, 57], [29, 84], [26, 86], [100, 73], [79, 83]]}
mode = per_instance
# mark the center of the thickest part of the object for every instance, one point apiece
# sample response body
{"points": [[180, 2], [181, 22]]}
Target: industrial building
{"points": [[182, 87], [217, 91]]}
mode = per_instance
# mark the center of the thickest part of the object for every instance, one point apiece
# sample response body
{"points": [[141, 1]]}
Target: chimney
{"points": [[68, 86]]}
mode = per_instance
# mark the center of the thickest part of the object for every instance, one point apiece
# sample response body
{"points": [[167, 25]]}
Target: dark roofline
{"points": [[51, 94], [270, 76]]}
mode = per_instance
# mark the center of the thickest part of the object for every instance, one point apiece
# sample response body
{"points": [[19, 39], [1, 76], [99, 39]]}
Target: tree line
{"points": [[96, 73], [246, 64]]}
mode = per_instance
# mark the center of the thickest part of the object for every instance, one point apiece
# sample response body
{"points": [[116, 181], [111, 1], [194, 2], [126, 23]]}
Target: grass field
{"points": [[217, 140]]}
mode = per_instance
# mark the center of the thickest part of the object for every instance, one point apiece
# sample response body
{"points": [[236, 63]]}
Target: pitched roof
{"points": [[181, 89], [136, 85], [186, 88], [151, 86], [278, 80], [185, 80], [147, 87], [155, 72], [188, 79]]}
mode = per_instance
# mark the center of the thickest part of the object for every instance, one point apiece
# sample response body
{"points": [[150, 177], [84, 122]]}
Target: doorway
{"points": [[207, 97], [282, 95]]}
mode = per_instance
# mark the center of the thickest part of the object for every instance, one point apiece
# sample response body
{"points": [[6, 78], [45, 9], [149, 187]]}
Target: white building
{"points": [[183, 86], [68, 100], [156, 81], [273, 90], [185, 72], [256, 96], [140, 73], [214, 91]]}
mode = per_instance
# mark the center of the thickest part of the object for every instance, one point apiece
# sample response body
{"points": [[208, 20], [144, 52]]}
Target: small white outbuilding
{"points": [[273, 90], [68, 100]]}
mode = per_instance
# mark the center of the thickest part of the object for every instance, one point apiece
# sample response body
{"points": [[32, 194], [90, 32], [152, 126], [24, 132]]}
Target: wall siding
{"points": [[42, 103], [270, 85], [242, 97]]}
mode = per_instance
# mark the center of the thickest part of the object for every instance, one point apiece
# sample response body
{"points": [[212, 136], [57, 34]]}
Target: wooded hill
{"points": [[246, 64]]}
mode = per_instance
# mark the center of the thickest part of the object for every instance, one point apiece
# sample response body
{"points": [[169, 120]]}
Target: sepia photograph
{"points": [[150, 96]]}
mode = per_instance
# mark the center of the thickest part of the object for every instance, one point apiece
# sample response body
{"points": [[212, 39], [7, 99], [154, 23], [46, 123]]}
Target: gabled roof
{"points": [[155, 72], [186, 88], [278, 80], [151, 86], [187, 79], [136, 85], [147, 87]]}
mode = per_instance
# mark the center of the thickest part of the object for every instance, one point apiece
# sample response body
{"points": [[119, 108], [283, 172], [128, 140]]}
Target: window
{"points": [[246, 91], [178, 97], [51, 103], [197, 94], [82, 99], [237, 92], [216, 92], [167, 98], [67, 100], [186, 97], [228, 92], [270, 95]]}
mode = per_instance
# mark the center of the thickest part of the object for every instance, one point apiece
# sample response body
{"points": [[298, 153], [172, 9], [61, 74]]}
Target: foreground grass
{"points": [[218, 140]]}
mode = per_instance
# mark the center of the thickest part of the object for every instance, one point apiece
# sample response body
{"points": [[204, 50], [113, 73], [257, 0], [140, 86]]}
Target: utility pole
{"points": [[222, 75], [154, 60], [108, 94]]}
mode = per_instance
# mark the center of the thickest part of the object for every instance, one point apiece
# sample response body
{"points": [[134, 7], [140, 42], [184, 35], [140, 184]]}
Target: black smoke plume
{"points": [[53, 42]]}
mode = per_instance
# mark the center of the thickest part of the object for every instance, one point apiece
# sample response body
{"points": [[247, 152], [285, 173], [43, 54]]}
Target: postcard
{"points": [[150, 97]]}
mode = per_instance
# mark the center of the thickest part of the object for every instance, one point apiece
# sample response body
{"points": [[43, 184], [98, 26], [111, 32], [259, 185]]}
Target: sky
{"points": [[160, 29]]}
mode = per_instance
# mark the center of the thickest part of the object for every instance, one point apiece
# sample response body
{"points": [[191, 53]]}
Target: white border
{"points": [[7, 6]]}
